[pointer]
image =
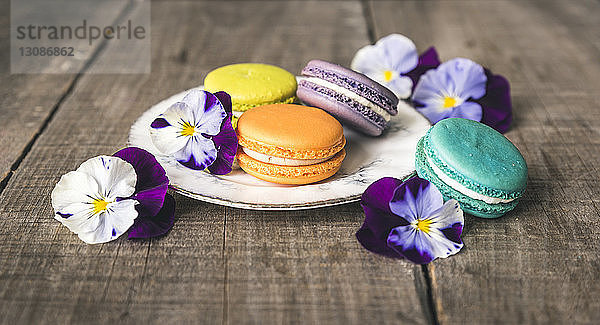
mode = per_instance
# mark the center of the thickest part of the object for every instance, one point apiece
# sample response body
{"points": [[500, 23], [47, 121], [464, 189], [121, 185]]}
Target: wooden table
{"points": [[537, 264]]}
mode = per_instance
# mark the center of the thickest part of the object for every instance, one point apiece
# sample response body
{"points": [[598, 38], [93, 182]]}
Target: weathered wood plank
{"points": [[47, 275], [537, 264], [306, 266], [28, 101], [217, 264]]}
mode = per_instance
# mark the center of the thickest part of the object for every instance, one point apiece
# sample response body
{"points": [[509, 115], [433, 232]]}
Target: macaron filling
{"points": [[352, 95], [363, 110], [461, 188], [281, 160], [351, 84]]}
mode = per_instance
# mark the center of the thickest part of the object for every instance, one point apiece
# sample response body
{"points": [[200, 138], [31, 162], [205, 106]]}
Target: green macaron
{"points": [[251, 85], [474, 164]]}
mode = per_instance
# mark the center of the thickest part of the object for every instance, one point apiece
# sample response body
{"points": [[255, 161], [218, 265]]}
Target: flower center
{"points": [[188, 129], [423, 225], [99, 205], [449, 102], [387, 75]]}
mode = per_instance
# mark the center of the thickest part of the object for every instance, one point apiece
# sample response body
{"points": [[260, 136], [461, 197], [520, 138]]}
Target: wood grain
{"points": [[28, 101], [217, 265], [539, 263], [48, 275], [307, 267]]}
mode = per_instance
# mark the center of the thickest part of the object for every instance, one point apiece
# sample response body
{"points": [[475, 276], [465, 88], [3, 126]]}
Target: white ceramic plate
{"points": [[367, 160]]}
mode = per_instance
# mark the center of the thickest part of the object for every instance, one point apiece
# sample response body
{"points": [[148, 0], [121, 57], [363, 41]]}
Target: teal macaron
{"points": [[474, 164]]}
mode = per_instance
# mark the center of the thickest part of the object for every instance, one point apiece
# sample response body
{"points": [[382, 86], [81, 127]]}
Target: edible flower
{"points": [[463, 88], [410, 220], [394, 62], [197, 132], [109, 195]]}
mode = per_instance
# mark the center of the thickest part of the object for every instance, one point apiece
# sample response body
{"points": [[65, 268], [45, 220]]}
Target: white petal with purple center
{"points": [[423, 240], [200, 152], [169, 139], [189, 124], [91, 201]]}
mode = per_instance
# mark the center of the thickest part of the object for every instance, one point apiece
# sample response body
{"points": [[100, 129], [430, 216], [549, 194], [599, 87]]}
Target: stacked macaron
{"points": [[474, 164], [353, 98], [251, 85], [290, 144]]}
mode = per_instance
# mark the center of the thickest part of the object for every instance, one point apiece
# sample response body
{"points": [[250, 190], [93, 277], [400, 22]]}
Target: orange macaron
{"points": [[290, 144]]}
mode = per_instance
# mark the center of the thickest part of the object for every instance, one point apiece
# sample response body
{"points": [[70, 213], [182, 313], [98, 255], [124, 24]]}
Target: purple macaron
{"points": [[353, 98]]}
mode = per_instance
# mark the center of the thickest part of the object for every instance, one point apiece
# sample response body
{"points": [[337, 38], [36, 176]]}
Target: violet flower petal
{"points": [[372, 237], [409, 243], [225, 100], [399, 52], [462, 77], [410, 220], [496, 104], [379, 219], [165, 130], [226, 141], [209, 114], [152, 181], [199, 153], [417, 197], [427, 60], [386, 61], [469, 110], [157, 225], [423, 246]]}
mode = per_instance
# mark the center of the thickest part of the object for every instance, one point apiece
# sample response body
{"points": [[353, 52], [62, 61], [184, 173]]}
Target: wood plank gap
{"points": [[428, 275], [60, 101], [370, 24]]}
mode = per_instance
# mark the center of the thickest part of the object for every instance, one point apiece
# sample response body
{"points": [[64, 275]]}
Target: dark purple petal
{"points": [[159, 123], [373, 243], [203, 161], [453, 232], [226, 143], [152, 181], [379, 219], [210, 102], [157, 225], [427, 60], [379, 194], [411, 244], [225, 100], [496, 104], [417, 257]]}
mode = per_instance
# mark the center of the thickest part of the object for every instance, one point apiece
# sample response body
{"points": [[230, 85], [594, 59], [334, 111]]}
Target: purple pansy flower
{"points": [[463, 88], [156, 208], [108, 195], [394, 62], [197, 132], [410, 220]]}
